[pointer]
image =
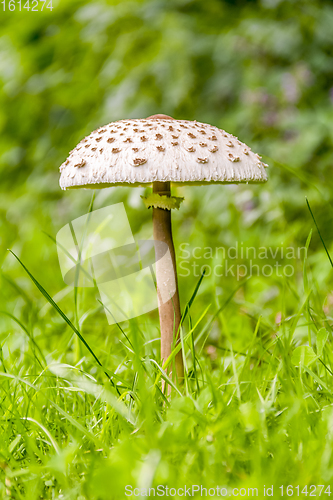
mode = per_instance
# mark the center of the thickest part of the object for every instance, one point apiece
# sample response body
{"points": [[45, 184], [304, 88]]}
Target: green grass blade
{"points": [[61, 313], [26, 331], [320, 236]]}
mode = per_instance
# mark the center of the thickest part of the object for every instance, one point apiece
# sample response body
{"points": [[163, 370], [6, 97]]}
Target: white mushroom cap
{"points": [[158, 148]]}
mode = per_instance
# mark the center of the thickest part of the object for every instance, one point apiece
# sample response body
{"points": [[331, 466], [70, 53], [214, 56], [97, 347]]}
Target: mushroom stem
{"points": [[166, 276]]}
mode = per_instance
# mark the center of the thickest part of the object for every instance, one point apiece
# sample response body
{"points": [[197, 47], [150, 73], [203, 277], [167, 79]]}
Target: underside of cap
{"points": [[138, 152]]}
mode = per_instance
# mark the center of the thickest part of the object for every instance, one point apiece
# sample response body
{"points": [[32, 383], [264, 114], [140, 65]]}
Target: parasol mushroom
{"points": [[159, 150]]}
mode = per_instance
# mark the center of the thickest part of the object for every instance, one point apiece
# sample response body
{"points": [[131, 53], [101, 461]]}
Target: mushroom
{"points": [[159, 150]]}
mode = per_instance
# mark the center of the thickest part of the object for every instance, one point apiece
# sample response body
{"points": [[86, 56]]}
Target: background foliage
{"points": [[261, 70]]}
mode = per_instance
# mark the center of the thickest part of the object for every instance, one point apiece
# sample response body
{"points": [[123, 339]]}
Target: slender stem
{"points": [[167, 283]]}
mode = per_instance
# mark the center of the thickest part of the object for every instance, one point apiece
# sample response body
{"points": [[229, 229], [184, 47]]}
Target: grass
{"points": [[81, 410], [82, 421]]}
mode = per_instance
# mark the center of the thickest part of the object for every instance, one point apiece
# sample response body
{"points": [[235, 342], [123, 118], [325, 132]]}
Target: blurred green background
{"points": [[260, 69]]}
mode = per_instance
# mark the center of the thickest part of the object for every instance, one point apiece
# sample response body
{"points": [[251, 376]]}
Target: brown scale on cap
{"points": [[213, 149], [233, 158], [158, 137], [116, 150], [110, 139], [192, 136], [202, 160], [102, 131], [175, 143], [97, 139], [143, 138], [101, 150], [87, 146], [230, 144], [203, 144], [160, 148], [175, 136], [80, 164], [139, 161], [128, 140], [93, 149], [202, 132], [135, 150], [190, 149], [213, 138]]}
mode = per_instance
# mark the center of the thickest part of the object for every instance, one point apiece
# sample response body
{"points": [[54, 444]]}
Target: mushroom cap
{"points": [[137, 152]]}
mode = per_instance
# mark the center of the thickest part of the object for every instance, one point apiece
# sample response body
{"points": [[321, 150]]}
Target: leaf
{"points": [[303, 355], [322, 337]]}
